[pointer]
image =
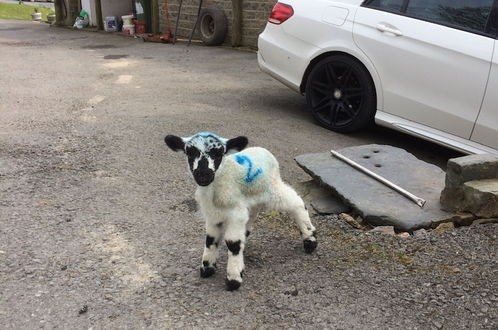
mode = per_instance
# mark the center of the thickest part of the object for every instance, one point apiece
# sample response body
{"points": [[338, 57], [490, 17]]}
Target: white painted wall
{"points": [[116, 8], [89, 6]]}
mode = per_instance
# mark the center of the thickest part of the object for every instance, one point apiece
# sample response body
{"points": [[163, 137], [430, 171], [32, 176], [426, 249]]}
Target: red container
{"points": [[140, 27]]}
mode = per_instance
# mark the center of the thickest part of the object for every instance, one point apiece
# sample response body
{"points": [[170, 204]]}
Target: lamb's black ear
{"points": [[174, 142], [237, 143]]}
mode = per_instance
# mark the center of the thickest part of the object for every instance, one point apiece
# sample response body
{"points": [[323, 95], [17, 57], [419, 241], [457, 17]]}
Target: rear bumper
{"points": [[283, 56], [266, 68]]}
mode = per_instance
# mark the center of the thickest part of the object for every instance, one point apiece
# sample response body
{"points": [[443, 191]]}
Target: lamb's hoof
{"points": [[207, 271], [232, 285], [309, 245]]}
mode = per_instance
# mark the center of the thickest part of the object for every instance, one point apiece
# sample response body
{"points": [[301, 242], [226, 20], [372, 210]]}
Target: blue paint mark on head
{"points": [[207, 134], [251, 175]]}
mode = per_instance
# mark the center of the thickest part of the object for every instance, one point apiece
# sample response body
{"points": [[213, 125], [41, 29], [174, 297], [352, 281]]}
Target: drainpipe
{"points": [[98, 13], [60, 15], [155, 16], [236, 23]]}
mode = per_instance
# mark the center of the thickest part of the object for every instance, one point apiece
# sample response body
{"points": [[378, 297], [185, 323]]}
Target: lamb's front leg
{"points": [[210, 255], [235, 238]]}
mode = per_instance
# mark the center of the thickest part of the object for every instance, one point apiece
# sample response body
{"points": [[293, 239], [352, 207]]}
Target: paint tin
{"points": [[127, 19], [129, 29], [111, 24]]}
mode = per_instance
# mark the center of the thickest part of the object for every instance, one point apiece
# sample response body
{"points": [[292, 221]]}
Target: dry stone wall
{"points": [[254, 17]]}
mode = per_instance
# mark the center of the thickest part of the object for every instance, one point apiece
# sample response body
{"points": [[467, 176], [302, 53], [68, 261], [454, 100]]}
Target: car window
{"points": [[389, 5], [468, 14]]}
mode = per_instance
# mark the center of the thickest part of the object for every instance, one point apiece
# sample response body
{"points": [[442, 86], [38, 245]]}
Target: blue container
{"points": [[111, 23]]}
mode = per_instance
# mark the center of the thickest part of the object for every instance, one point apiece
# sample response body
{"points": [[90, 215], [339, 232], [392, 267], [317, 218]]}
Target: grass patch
{"points": [[22, 12]]}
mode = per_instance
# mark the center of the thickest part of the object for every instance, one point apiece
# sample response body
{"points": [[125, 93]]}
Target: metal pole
{"points": [[178, 19], [419, 201], [196, 22]]}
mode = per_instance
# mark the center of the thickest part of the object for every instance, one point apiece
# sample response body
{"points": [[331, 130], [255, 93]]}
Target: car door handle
{"points": [[384, 28]]}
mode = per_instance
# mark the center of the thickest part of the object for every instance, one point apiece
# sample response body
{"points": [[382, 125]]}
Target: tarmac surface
{"points": [[99, 230]]}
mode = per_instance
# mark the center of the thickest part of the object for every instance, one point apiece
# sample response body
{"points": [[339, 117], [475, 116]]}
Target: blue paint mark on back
{"points": [[247, 162]]}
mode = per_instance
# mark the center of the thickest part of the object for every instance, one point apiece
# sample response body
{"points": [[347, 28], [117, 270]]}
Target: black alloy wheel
{"points": [[340, 94]]}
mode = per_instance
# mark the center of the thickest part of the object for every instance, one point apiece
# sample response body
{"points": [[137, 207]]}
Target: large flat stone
{"points": [[319, 198], [377, 203]]}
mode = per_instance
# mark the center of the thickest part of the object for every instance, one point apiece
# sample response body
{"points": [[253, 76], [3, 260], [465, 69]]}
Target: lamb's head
{"points": [[205, 152]]}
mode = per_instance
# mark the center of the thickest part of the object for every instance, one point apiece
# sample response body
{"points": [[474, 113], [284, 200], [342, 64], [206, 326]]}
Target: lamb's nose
{"points": [[203, 177]]}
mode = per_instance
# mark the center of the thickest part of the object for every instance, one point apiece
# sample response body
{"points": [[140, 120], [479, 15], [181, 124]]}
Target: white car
{"points": [[425, 67]]}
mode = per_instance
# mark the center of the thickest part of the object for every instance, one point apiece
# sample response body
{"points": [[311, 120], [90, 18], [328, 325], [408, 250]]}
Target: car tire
{"points": [[340, 94], [213, 26]]}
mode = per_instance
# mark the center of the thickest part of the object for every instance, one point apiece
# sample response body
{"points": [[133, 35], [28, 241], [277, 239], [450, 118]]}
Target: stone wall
{"points": [[254, 17]]}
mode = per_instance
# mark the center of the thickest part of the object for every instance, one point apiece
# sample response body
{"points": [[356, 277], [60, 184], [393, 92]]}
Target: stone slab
{"points": [[319, 198], [329, 205], [376, 203]]}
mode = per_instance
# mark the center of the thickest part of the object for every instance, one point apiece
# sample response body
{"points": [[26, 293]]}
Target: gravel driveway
{"points": [[98, 229]]}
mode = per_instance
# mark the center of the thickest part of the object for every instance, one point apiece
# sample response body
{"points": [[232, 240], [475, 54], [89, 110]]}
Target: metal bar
{"points": [[196, 22], [178, 18], [419, 201]]}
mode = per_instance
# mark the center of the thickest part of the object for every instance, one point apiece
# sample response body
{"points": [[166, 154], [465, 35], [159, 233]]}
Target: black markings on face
{"points": [[207, 146], [209, 241], [203, 163], [216, 154], [234, 247], [192, 154], [219, 224]]}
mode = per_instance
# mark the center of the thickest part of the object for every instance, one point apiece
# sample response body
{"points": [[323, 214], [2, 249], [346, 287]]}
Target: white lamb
{"points": [[232, 189]]}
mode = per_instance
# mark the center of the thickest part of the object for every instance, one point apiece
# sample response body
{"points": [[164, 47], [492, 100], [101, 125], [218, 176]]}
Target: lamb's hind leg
{"points": [[253, 215], [293, 204]]}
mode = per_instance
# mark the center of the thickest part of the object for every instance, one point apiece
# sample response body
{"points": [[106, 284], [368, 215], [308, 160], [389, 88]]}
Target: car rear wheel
{"points": [[340, 94]]}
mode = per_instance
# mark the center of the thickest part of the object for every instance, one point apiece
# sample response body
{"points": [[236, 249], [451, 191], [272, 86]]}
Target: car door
{"points": [[433, 58], [486, 128]]}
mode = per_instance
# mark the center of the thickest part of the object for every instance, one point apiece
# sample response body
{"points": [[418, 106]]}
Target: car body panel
{"points": [[427, 133], [487, 122], [321, 27], [448, 75], [286, 51]]}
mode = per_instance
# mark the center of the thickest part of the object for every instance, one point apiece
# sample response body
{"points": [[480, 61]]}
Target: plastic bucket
{"points": [[36, 16], [140, 27], [129, 29], [111, 23], [127, 19]]}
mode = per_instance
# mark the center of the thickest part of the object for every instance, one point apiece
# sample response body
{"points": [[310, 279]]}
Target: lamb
{"points": [[232, 189]]}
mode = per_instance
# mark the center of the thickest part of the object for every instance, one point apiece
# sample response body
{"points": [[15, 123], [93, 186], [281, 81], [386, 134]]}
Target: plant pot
{"points": [[51, 18], [36, 16]]}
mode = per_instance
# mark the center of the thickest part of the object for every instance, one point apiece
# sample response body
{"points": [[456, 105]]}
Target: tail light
{"points": [[280, 13]]}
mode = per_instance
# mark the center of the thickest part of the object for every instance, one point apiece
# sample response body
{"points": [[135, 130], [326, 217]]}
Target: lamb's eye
{"points": [[192, 153]]}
